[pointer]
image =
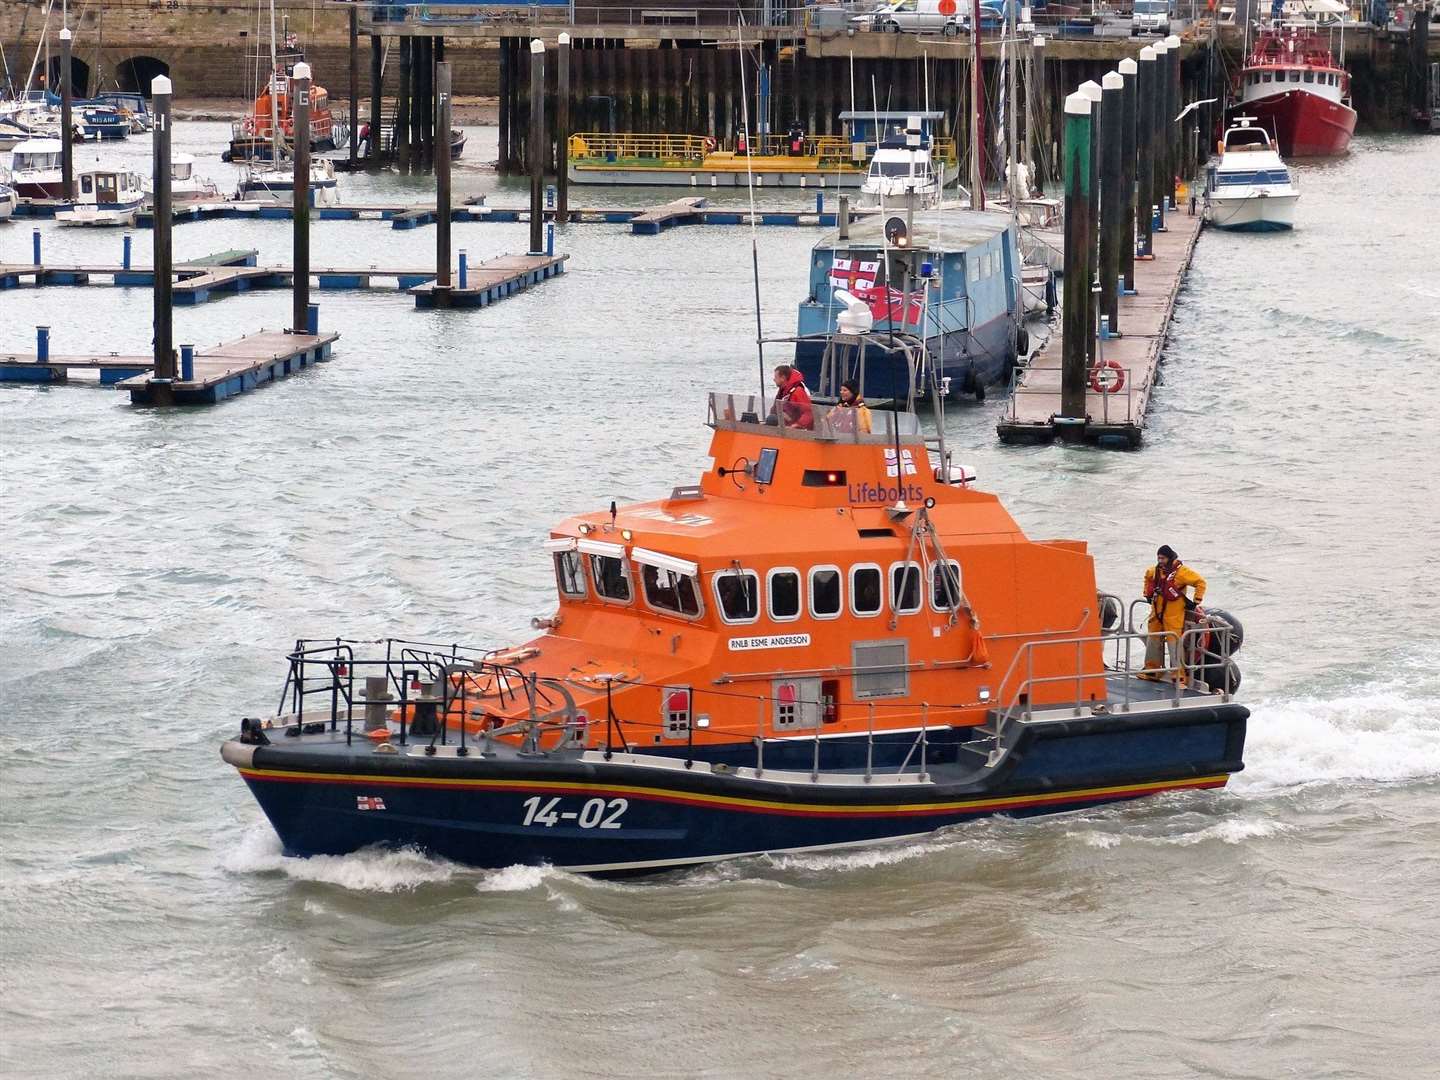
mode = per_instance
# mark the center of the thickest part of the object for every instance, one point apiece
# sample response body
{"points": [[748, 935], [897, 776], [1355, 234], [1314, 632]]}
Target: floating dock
{"points": [[1114, 418], [216, 374], [411, 216], [234, 272]]}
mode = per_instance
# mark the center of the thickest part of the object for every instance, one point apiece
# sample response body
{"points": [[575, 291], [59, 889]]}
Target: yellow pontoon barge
{"points": [[794, 160]]}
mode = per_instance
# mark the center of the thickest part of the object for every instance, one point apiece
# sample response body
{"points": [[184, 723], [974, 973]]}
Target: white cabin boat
{"points": [[35, 164], [8, 199], [1249, 189], [902, 172], [276, 183], [185, 186], [103, 196]]}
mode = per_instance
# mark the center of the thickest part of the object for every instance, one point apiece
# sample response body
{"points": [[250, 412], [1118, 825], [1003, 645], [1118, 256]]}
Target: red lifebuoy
{"points": [[1107, 377]]}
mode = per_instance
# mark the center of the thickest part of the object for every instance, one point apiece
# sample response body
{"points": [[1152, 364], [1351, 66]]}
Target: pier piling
{"points": [[1092, 91], [187, 363], [464, 270], [374, 147], [35, 245], [125, 252], [300, 190], [1145, 150], [402, 110], [442, 180], [1129, 71], [67, 149], [562, 131], [537, 146], [1078, 235], [1112, 195], [1174, 134], [160, 91], [1159, 156], [42, 344], [354, 83]]}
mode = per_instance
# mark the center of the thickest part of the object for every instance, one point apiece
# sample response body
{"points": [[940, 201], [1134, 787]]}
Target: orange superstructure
{"points": [[810, 576]]}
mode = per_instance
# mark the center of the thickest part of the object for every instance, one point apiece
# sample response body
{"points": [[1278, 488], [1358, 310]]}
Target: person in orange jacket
{"points": [[1165, 585], [792, 400]]}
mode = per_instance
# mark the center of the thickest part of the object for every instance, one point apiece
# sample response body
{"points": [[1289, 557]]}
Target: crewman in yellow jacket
{"points": [[1165, 585]]}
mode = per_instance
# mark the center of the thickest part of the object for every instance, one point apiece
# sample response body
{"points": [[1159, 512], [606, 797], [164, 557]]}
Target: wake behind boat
{"points": [[1249, 189]]}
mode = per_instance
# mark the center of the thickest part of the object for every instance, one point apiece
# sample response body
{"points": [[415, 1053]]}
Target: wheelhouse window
{"points": [[668, 590], [905, 588], [738, 594], [569, 573], [612, 579], [867, 590], [784, 590], [945, 585], [1309, 76], [825, 592]]}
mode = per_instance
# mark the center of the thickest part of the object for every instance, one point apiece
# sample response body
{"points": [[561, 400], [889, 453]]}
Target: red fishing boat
{"points": [[1294, 89]]}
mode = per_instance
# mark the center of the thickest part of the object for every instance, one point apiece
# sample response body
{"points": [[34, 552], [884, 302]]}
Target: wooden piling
{"points": [[1161, 130], [1129, 71], [1078, 235], [300, 191], [442, 179], [374, 150], [1173, 131], [164, 348], [507, 103], [1145, 148], [537, 146], [402, 109], [1092, 91], [562, 131], [1039, 135], [67, 150], [354, 83], [1113, 200]]}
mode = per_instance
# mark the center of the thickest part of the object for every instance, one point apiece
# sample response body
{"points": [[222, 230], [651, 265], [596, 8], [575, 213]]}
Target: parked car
{"points": [[914, 16]]}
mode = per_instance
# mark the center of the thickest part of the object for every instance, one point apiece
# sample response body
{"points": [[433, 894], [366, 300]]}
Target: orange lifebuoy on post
{"points": [[1107, 377]]}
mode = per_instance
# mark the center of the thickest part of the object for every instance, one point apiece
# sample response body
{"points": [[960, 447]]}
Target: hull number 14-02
{"points": [[593, 813]]}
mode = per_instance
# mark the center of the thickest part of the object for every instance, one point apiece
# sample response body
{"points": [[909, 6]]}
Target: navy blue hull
{"points": [[642, 814], [969, 359]]}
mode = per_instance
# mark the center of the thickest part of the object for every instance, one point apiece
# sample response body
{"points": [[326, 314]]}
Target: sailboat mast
{"points": [[1012, 138], [274, 93], [977, 111]]}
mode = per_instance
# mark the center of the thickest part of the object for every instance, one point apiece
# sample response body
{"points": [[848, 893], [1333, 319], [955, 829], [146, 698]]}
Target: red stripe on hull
{"points": [[1303, 124]]}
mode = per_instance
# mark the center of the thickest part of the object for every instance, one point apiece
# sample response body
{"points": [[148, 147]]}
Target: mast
{"points": [[274, 94], [1012, 137], [977, 110]]}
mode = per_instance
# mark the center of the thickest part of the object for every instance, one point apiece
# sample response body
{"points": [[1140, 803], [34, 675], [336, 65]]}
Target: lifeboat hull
{"points": [[1304, 124], [645, 813]]}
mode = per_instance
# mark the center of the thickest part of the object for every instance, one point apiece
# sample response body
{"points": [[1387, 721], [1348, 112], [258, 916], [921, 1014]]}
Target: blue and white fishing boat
{"points": [[104, 195], [1249, 189], [966, 303], [106, 122]]}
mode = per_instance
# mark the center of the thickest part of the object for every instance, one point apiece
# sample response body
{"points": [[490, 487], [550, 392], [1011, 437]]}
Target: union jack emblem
{"points": [[907, 463], [369, 802]]}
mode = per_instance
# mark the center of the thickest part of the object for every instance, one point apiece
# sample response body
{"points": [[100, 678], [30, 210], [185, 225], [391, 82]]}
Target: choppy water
{"points": [[156, 563]]}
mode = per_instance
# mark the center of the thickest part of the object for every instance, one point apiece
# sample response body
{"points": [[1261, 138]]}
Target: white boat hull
{"points": [[106, 216], [1260, 212]]}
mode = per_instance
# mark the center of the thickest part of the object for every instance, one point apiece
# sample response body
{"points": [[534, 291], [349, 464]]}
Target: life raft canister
{"points": [[1107, 377]]}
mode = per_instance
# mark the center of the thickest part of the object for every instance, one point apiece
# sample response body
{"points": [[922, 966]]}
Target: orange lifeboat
{"points": [[831, 639], [253, 136]]}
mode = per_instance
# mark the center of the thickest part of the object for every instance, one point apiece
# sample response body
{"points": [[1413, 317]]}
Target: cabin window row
{"points": [[984, 266], [738, 592], [664, 590], [1324, 78]]}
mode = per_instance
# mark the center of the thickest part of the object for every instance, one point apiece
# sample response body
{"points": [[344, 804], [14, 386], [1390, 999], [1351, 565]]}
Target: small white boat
{"points": [[185, 186], [276, 183], [103, 196], [36, 167], [901, 173], [8, 198], [1249, 189]]}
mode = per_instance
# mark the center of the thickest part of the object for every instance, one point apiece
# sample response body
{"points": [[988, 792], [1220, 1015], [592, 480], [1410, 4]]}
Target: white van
{"points": [[916, 16], [1150, 17]]}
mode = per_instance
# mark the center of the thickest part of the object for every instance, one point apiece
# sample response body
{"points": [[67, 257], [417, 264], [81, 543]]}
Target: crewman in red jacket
{"points": [[792, 400]]}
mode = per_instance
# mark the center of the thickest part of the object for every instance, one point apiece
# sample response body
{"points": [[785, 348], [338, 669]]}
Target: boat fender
{"points": [[1223, 624], [1109, 614], [1022, 341], [1222, 678], [1107, 377], [251, 732]]}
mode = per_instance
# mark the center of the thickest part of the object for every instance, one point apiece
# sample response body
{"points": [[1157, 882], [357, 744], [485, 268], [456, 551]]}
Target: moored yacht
{"points": [[35, 166], [901, 172], [276, 183], [1249, 189], [831, 640]]}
